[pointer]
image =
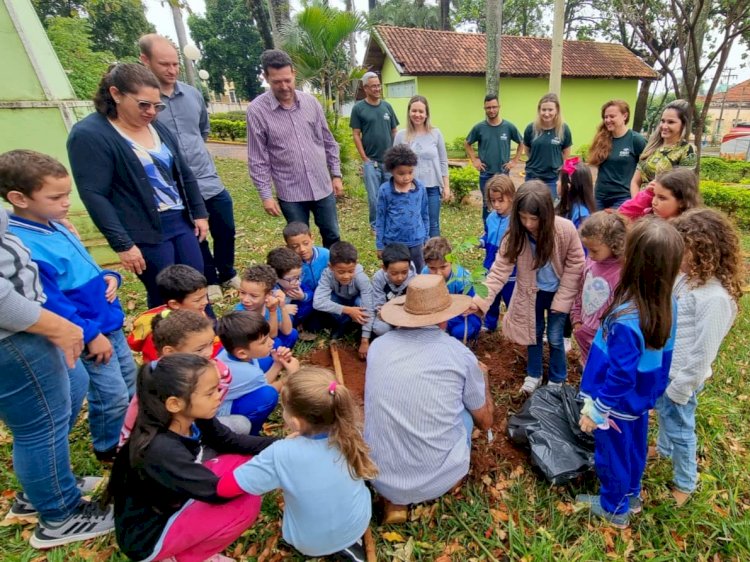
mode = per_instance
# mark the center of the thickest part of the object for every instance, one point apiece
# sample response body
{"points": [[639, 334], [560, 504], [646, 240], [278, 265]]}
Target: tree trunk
{"points": [[259, 10], [352, 39], [555, 72], [493, 25], [371, 5], [445, 15], [280, 12], [641, 104], [179, 26]]}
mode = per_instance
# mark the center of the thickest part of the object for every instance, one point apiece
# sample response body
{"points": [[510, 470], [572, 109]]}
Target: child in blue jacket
{"points": [[299, 239], [77, 289], [628, 368]]}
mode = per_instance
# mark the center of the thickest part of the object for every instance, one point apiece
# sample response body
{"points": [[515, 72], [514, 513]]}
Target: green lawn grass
{"points": [[510, 514]]}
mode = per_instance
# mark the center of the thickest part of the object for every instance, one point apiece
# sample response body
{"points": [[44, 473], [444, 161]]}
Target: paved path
{"points": [[236, 151]]}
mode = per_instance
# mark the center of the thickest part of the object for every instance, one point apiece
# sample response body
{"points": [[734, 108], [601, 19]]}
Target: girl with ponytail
{"points": [[321, 468]]}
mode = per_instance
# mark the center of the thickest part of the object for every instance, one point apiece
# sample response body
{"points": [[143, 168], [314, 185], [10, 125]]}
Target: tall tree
{"points": [[179, 27], [231, 46], [262, 17], [520, 17], [405, 13], [445, 15], [494, 25]]}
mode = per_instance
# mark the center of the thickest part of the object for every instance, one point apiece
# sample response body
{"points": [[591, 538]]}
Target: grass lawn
{"points": [[509, 513]]}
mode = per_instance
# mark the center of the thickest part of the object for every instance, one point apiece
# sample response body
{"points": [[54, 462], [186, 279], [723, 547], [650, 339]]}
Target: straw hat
{"points": [[427, 302]]}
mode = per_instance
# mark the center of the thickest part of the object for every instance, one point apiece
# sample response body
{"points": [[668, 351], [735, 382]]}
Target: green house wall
{"points": [[456, 102]]}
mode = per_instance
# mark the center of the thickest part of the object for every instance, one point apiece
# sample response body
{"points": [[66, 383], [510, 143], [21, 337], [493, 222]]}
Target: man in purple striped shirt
{"points": [[289, 145]]}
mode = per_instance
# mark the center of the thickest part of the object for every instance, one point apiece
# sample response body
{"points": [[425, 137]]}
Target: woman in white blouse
{"points": [[432, 165]]}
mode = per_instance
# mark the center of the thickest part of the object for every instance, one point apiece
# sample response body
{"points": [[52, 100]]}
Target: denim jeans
{"points": [[677, 439], [483, 177], [111, 385], [374, 175], [256, 406], [179, 245], [493, 312], [555, 321], [551, 184], [611, 202], [35, 405], [219, 266], [324, 213], [433, 207]]}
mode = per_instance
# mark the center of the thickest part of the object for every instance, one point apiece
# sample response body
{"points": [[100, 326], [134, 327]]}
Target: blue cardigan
{"points": [[114, 187]]}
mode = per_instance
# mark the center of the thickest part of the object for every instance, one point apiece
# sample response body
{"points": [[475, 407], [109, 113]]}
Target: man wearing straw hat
{"points": [[424, 392]]}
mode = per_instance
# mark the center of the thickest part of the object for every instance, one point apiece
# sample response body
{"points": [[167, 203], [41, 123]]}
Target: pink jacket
{"points": [[519, 324], [638, 206]]}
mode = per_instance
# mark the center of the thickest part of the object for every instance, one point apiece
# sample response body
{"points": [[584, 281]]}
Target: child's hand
{"points": [[111, 293], [586, 424], [100, 349], [296, 294], [364, 346], [577, 326], [271, 302], [358, 314], [283, 356], [291, 309]]}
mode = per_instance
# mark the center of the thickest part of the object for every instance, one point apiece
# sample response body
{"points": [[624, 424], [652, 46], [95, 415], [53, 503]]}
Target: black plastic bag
{"points": [[548, 425]]}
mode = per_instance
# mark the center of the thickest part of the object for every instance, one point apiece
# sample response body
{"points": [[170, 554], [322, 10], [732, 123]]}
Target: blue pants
{"points": [[417, 257], [340, 324], [493, 313], [287, 340], [35, 404], [555, 321], [611, 202], [111, 386], [433, 207], [551, 184], [373, 175], [620, 459], [677, 440], [218, 267], [256, 406], [179, 245], [483, 177], [324, 213], [458, 325]]}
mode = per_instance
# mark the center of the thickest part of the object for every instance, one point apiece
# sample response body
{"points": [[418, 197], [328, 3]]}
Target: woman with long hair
{"points": [[432, 158], [616, 151]]}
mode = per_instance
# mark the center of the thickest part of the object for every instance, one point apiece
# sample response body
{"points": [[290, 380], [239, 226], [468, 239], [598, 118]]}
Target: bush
{"points": [[725, 171], [230, 116], [224, 128], [462, 181], [456, 147], [582, 150], [733, 200]]}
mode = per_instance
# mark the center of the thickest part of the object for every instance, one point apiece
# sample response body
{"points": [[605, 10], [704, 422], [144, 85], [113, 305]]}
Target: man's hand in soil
{"points": [[357, 313], [364, 346]]}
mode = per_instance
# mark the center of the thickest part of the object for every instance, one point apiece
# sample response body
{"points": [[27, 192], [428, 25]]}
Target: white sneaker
{"points": [[214, 293], [233, 283], [567, 345], [530, 384]]}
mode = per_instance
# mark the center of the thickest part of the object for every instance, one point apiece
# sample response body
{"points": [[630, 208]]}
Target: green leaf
{"points": [[481, 290]]}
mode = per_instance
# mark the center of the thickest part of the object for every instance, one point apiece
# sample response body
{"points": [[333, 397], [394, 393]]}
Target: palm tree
{"points": [[315, 40]]}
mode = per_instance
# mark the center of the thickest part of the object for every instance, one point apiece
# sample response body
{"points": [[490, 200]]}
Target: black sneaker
{"points": [[353, 553], [87, 521], [22, 506]]}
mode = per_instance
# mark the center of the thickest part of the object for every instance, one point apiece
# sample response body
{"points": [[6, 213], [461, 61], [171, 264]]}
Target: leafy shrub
{"points": [[582, 150], [726, 171], [224, 128], [456, 146], [733, 200], [462, 181], [230, 116]]}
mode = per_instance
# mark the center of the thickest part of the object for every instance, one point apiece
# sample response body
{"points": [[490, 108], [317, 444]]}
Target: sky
{"points": [[158, 13]]}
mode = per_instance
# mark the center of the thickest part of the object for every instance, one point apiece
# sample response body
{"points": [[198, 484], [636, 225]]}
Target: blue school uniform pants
{"points": [[620, 459], [493, 313], [457, 326], [256, 406]]}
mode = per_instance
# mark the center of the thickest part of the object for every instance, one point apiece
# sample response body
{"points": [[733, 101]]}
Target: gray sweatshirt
{"points": [[359, 287], [21, 295], [383, 291]]}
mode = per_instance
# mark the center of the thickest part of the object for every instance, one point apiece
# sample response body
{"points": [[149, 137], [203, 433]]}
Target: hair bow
{"points": [[332, 388], [569, 166]]}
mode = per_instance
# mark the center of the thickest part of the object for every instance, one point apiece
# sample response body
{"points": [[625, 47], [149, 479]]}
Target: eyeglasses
{"points": [[292, 280], [145, 105]]}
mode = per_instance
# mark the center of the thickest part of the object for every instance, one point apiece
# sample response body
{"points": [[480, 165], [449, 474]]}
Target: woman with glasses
{"points": [[133, 180]]}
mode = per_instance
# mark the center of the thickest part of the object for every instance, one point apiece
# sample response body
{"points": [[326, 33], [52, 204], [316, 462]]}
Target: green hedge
{"points": [[725, 171], [229, 116], [733, 200], [224, 128], [462, 181]]}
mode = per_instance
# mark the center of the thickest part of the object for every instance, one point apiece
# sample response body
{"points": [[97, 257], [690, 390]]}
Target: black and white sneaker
{"points": [[23, 508], [353, 553], [87, 521]]}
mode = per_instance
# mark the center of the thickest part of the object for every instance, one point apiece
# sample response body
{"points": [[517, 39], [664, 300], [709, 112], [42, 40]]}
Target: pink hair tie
{"points": [[569, 166], [332, 388]]}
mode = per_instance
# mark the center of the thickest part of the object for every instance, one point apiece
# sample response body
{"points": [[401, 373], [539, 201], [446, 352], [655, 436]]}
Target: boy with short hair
{"points": [[257, 294], [499, 192], [288, 267], [345, 294], [391, 281], [252, 392], [463, 328], [402, 211], [299, 239], [38, 187], [181, 287]]}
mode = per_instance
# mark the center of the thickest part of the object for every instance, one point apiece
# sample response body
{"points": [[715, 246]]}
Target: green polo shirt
{"points": [[375, 122], [617, 170], [545, 151], [494, 143]]}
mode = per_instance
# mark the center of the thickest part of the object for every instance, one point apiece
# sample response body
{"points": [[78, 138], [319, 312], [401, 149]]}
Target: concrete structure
{"points": [[448, 69], [37, 103], [728, 109]]}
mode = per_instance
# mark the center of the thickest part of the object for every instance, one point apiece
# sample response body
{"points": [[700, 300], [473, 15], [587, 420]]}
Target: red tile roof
{"points": [[428, 52], [739, 93]]}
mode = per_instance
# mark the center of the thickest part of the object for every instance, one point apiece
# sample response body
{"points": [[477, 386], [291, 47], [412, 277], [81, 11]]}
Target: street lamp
{"points": [[192, 52], [203, 74]]}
